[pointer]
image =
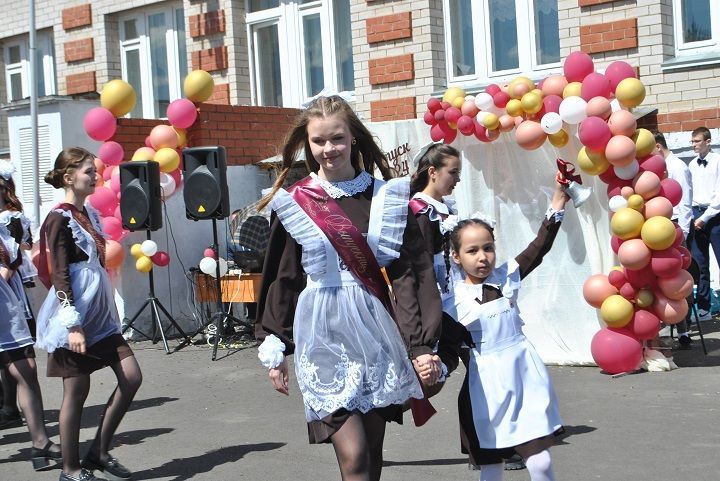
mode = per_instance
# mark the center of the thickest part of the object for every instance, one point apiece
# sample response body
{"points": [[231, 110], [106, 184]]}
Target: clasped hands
{"points": [[428, 368]]}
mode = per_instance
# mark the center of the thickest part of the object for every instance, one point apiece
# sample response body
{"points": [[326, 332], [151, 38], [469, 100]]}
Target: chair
{"points": [[694, 270]]}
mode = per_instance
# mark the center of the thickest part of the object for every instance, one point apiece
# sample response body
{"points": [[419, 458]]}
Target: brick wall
{"points": [[249, 134], [389, 27], [78, 50], [393, 109], [606, 37]]}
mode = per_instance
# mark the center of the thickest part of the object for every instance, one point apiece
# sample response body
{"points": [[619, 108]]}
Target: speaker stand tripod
{"points": [[155, 308], [219, 317]]}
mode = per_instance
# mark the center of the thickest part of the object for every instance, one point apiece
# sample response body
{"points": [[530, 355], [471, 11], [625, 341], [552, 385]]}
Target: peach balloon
{"points": [[596, 289], [599, 107], [114, 254], [677, 287], [622, 122], [554, 85], [507, 123], [620, 150], [647, 184], [626, 192], [162, 136], [658, 206], [530, 135], [634, 254], [670, 311]]}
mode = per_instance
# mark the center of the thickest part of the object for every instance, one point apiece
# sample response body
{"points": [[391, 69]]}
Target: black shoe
{"points": [[11, 420], [83, 475], [685, 342], [43, 459], [111, 469], [514, 463]]}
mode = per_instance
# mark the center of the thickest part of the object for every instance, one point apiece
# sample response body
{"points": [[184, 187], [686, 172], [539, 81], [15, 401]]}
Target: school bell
{"points": [[572, 183]]}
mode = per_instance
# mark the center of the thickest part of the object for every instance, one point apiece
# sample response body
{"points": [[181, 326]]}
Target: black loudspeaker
{"points": [[140, 200], [205, 183]]}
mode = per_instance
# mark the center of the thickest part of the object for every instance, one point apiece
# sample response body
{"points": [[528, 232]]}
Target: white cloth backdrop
{"points": [[514, 186]]}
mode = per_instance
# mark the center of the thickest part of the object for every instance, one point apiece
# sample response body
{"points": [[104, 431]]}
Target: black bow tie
{"points": [[702, 162]]}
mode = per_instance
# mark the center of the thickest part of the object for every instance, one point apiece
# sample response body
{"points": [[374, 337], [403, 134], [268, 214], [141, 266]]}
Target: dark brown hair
{"points": [[9, 198], [434, 157], [364, 155], [452, 239], [704, 131], [66, 162]]}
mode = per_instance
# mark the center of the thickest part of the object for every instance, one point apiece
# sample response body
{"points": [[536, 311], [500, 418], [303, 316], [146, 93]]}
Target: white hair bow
{"points": [[422, 151], [348, 97], [451, 221], [7, 169]]}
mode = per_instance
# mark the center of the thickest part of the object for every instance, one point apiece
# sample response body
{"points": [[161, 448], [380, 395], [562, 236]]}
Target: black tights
{"points": [[358, 447], [9, 389], [75, 392]]}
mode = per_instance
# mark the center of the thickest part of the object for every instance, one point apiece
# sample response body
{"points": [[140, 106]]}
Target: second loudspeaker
{"points": [[205, 183], [140, 202]]}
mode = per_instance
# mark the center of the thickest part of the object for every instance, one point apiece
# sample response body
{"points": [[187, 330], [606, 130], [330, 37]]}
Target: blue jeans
{"points": [[700, 242]]}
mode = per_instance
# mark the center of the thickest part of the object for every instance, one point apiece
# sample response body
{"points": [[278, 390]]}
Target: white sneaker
{"points": [[704, 315]]}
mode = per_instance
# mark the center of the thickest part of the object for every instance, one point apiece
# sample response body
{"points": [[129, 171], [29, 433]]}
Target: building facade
{"points": [[391, 54]]}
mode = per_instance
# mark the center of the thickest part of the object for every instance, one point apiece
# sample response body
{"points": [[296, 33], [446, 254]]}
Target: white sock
{"points": [[491, 472], [540, 466]]}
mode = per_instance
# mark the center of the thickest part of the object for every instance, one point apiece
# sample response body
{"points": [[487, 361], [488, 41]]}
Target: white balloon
{"points": [[551, 123], [167, 185], [629, 171], [617, 202], [572, 110], [481, 115], [484, 101], [207, 266], [223, 266], [149, 248], [469, 97]]}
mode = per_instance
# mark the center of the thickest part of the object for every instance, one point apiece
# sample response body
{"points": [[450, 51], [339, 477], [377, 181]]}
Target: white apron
{"points": [[510, 389]]}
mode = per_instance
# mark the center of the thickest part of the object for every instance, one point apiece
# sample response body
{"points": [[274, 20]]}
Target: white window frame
{"points": [[288, 16], [482, 45], [142, 45], [43, 40], [683, 48]]}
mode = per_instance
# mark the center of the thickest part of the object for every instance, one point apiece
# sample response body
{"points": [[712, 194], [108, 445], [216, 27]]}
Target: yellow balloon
{"points": [[616, 311], [636, 202], [627, 223], [658, 233], [118, 97], [168, 159], [198, 86], [452, 93], [617, 268], [644, 142], [630, 92], [136, 251], [645, 298], [514, 108], [572, 90], [458, 102], [526, 84], [531, 102], [591, 162], [491, 121], [560, 139], [143, 153], [144, 264], [182, 137]]}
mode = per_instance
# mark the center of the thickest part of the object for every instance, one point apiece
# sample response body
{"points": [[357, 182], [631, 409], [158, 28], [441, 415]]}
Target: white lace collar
{"points": [[345, 188], [444, 207]]}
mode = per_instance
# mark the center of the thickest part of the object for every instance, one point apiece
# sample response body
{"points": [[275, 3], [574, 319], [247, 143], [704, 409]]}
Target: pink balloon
{"points": [[148, 144], [677, 287], [644, 325], [616, 350], [115, 181], [117, 213], [100, 124], [686, 256], [595, 85], [618, 71], [666, 263], [671, 189], [182, 113], [111, 153], [163, 136], [530, 135], [210, 252], [598, 107], [465, 125], [160, 258], [433, 104], [112, 227], [104, 201], [641, 278], [493, 89], [622, 122], [670, 311], [551, 103], [634, 254], [654, 163], [620, 150], [107, 173], [577, 66], [615, 243], [594, 133], [501, 99], [177, 176], [616, 278]]}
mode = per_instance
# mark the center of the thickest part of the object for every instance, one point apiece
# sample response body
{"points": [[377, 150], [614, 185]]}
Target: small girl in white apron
{"points": [[507, 400]]}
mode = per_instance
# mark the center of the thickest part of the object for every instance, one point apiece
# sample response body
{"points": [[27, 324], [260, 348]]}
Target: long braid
{"points": [[446, 256]]}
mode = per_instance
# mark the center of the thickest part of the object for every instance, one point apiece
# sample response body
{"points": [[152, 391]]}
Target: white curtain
{"points": [[514, 186]]}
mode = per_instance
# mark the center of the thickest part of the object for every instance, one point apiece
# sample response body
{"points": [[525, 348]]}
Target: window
{"points": [[17, 67], [298, 48], [697, 26], [492, 39], [154, 58]]}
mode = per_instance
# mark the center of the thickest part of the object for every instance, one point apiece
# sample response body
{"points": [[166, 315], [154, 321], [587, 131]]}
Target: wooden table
{"points": [[234, 288]]}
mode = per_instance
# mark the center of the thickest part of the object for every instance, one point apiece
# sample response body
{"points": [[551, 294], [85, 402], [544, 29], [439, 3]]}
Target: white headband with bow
{"points": [[7, 169], [452, 221]]}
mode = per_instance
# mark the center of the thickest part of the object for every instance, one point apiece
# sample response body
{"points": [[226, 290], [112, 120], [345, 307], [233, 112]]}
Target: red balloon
{"points": [[480, 131], [617, 278], [160, 258], [577, 66], [465, 125], [666, 263], [450, 136], [594, 133], [615, 186], [501, 99], [445, 105], [679, 236], [671, 189], [616, 350], [433, 104], [595, 85], [452, 114], [644, 325], [551, 103], [436, 133], [609, 175], [493, 89], [641, 278], [618, 71], [439, 115], [686, 256], [112, 227], [654, 163], [429, 118], [628, 291], [210, 252]]}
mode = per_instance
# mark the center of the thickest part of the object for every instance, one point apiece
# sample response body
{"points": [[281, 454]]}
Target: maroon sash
{"points": [[85, 223], [355, 252], [417, 205]]}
